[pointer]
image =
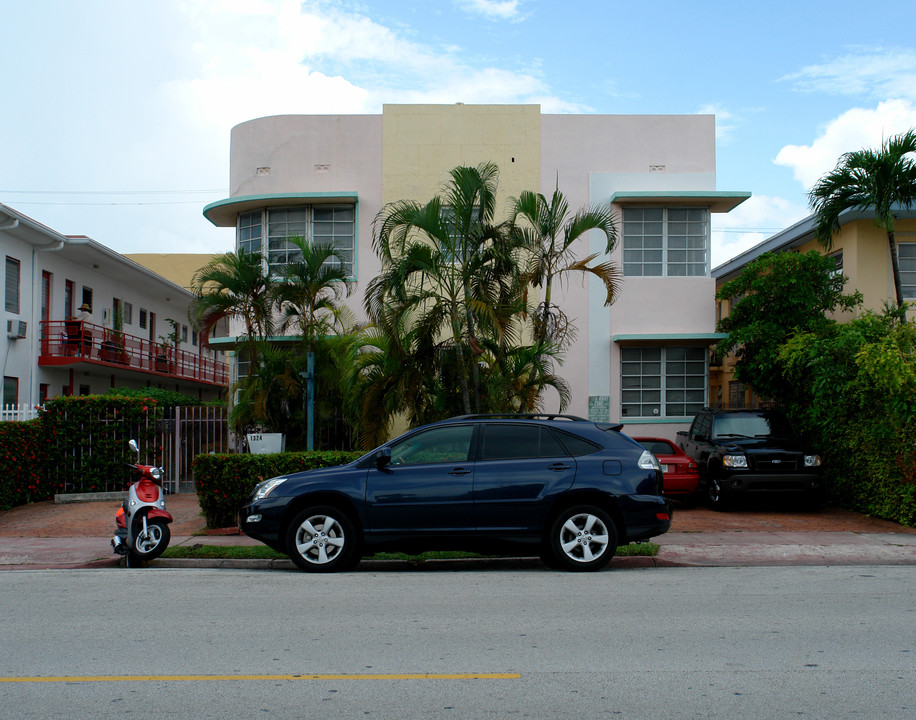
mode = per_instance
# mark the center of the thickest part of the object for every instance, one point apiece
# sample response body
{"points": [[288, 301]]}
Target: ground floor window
{"points": [[662, 382], [10, 390]]}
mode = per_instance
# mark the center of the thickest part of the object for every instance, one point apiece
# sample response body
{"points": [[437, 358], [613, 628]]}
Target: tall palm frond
{"points": [[880, 181]]}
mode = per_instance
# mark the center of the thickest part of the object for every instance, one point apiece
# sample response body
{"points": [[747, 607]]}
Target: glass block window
{"points": [[249, 232], [906, 258], [672, 242], [662, 382]]}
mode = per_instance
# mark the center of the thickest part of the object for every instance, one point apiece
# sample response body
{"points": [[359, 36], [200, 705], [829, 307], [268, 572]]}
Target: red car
{"points": [[681, 474]]}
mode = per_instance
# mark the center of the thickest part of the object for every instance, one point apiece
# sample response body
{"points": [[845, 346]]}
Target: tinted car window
{"points": [[657, 447], [753, 425], [576, 445], [437, 445], [504, 442]]}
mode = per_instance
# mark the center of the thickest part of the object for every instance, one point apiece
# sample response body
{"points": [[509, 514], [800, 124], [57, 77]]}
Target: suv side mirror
{"points": [[382, 457]]}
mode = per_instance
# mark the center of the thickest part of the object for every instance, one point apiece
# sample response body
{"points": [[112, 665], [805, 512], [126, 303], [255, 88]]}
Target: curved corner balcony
{"points": [[69, 342]]}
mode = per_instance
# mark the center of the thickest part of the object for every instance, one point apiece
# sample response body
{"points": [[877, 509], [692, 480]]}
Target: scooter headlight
{"points": [[262, 490], [155, 473]]}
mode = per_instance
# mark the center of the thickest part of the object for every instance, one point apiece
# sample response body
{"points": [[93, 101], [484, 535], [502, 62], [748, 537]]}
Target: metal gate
{"points": [[190, 431]]}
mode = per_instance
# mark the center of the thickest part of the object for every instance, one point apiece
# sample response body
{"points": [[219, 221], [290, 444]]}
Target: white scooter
{"points": [[142, 533]]}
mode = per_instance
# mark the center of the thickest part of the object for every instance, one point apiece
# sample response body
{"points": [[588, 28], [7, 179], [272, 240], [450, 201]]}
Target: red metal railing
{"points": [[64, 342]]}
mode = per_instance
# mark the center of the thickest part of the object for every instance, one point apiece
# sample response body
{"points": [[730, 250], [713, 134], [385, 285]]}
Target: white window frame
{"points": [[906, 256], [653, 381], [662, 250], [13, 283], [270, 236]]}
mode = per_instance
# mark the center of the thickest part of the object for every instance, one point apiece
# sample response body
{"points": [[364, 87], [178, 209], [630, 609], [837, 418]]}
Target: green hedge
{"points": [[22, 470], [224, 481], [87, 438]]}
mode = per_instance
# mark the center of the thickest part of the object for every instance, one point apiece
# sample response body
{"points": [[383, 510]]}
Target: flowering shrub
{"points": [[224, 481], [22, 473]]}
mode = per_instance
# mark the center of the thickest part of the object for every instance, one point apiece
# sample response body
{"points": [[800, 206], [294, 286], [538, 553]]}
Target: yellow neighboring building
{"points": [[862, 255]]}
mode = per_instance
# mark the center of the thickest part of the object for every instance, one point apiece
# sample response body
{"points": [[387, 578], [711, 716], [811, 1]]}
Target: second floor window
{"points": [[906, 258], [12, 285], [666, 242], [269, 231]]}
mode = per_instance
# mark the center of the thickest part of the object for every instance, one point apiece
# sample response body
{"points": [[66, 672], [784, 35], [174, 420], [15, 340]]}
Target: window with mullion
{"points": [[661, 242], [249, 232], [320, 224], [906, 259], [660, 382]]}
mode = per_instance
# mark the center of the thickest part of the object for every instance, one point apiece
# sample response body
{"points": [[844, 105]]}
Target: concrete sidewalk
{"points": [[52, 536]]}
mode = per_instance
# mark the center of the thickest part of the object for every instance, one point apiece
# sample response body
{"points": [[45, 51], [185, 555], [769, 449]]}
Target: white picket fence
{"points": [[18, 412]]}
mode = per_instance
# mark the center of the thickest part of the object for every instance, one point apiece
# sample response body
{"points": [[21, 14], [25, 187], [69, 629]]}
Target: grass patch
{"points": [[262, 552]]}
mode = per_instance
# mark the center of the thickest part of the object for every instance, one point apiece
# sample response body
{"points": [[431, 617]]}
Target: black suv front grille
{"points": [[777, 464]]}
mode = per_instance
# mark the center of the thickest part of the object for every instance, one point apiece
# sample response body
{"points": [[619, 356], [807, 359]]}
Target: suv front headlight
{"points": [[262, 490], [734, 461], [812, 460]]}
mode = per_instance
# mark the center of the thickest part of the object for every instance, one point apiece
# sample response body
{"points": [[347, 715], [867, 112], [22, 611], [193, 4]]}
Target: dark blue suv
{"points": [[557, 486]]}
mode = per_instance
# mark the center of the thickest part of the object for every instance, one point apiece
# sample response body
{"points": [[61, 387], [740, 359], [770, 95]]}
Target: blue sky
{"points": [[115, 115]]}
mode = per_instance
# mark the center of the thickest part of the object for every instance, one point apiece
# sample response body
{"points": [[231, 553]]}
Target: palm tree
{"points": [[431, 257], [549, 234], [310, 290], [234, 285], [881, 181], [269, 396]]}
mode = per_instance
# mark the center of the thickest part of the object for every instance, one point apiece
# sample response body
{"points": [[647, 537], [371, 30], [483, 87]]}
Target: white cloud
{"points": [[726, 122], [493, 9], [875, 72], [753, 221], [855, 129]]}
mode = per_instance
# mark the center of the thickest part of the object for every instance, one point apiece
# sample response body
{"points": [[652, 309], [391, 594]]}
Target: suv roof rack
{"points": [[530, 416]]}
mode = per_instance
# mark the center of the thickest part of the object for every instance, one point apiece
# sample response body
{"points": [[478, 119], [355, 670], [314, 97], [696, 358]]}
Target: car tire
{"points": [[581, 538], [323, 538], [714, 495]]}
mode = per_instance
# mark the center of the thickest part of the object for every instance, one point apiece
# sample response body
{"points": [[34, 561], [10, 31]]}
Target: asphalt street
{"points": [[721, 642]]}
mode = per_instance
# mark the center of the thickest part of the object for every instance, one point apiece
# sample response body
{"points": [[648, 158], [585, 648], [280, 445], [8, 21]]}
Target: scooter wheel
{"points": [[152, 545]]}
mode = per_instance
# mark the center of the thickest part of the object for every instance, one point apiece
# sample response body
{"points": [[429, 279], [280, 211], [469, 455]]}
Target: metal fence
{"points": [[170, 442]]}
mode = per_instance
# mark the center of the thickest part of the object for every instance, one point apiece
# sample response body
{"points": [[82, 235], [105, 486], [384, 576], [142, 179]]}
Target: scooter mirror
{"points": [[133, 446]]}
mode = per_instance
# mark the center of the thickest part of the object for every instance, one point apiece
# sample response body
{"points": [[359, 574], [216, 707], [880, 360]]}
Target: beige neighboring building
{"points": [[180, 268], [643, 361], [862, 254]]}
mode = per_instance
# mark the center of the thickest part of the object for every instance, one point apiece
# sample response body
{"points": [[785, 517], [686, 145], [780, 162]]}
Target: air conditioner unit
{"points": [[16, 329]]}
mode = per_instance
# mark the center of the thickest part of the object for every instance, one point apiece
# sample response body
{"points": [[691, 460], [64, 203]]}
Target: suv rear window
{"points": [[576, 445], [504, 442]]}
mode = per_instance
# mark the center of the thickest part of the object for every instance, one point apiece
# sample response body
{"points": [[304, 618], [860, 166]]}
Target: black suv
{"points": [[557, 486], [750, 452]]}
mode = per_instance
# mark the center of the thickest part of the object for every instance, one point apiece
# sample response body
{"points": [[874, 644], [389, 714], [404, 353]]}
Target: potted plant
{"points": [[168, 348]]}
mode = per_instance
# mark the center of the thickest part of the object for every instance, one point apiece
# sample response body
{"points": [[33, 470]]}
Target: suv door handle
{"points": [[459, 471], [559, 467]]}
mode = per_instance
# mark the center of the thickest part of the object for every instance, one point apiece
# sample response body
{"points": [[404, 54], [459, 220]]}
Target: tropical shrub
{"points": [[22, 472], [223, 481]]}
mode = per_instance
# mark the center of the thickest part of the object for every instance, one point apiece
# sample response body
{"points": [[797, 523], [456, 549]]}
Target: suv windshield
{"points": [[752, 425]]}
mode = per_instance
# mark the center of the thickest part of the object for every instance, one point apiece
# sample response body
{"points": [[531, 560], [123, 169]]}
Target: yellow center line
{"points": [[204, 678]]}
